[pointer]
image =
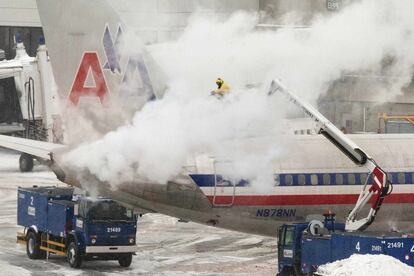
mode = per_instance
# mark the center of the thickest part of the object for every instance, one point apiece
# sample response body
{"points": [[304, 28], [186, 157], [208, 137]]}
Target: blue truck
{"points": [[78, 227], [302, 247]]}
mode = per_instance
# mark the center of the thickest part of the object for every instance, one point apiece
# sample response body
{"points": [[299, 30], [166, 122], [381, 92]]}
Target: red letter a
{"points": [[89, 61]]}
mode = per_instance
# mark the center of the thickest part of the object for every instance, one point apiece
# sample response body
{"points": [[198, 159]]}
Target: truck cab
{"points": [[288, 247], [293, 256], [98, 225]]}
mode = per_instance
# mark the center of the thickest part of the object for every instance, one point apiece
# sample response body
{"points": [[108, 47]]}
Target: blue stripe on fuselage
{"points": [[305, 179], [208, 180]]}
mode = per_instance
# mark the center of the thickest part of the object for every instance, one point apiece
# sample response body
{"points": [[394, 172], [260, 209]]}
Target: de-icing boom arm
{"points": [[379, 187]]}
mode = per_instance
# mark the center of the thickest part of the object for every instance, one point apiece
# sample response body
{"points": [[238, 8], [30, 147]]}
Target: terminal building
{"points": [[351, 102]]}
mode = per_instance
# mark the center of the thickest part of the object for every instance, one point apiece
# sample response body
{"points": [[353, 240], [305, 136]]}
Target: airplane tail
{"points": [[95, 57]]}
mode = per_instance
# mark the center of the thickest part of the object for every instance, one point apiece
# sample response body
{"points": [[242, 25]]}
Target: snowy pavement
{"points": [[166, 246]]}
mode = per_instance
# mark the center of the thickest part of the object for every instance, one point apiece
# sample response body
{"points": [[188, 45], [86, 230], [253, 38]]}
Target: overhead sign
{"points": [[333, 5]]}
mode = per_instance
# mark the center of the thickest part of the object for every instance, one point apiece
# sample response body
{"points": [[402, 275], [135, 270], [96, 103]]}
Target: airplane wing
{"points": [[32, 147]]}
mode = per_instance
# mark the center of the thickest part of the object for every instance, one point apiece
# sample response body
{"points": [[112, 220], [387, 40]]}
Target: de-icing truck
{"points": [[78, 227]]}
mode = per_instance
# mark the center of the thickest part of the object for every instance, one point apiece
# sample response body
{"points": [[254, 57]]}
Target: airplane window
{"points": [[394, 177], [401, 178], [339, 179], [326, 179], [363, 177], [351, 178], [289, 179], [314, 179], [370, 179], [277, 179], [301, 179], [390, 178]]}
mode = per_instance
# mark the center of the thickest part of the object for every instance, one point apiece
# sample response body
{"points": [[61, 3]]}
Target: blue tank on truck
{"points": [[81, 228], [318, 250]]}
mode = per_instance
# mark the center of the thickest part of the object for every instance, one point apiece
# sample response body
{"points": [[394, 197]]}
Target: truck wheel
{"points": [[25, 162], [74, 259], [33, 247], [125, 260], [287, 271]]}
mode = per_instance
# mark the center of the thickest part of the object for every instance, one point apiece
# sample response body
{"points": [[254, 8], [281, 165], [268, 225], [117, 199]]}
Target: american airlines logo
{"points": [[135, 77], [112, 50]]}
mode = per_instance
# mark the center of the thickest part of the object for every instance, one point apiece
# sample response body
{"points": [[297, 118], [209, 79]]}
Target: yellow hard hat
{"points": [[219, 81]]}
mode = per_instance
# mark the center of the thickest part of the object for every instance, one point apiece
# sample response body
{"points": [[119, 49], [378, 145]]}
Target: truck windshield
{"points": [[289, 236], [109, 210]]}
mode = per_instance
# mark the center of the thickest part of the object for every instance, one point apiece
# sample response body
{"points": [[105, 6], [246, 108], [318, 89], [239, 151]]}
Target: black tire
{"points": [[26, 162], [287, 271], [33, 246], [125, 260], [73, 256]]}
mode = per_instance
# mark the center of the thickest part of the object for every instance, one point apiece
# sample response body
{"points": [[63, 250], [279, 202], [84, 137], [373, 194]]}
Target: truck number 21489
{"points": [[113, 229]]}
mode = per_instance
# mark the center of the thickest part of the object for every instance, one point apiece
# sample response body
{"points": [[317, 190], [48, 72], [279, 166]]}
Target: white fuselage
{"points": [[310, 179]]}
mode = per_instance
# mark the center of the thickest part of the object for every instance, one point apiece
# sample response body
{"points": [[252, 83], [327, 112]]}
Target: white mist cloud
{"points": [[155, 145], [158, 141], [307, 60]]}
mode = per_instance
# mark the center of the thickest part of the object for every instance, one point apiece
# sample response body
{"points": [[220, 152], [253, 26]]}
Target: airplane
{"points": [[310, 179]]}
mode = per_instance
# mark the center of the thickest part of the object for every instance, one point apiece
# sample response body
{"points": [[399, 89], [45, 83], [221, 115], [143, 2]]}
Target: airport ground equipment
{"points": [[78, 227], [303, 247], [379, 184], [34, 100], [395, 123]]}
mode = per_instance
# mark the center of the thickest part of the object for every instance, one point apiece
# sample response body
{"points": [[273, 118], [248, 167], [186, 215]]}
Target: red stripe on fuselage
{"points": [[276, 200]]}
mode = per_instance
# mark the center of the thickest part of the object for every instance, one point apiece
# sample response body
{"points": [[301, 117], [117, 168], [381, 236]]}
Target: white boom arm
{"points": [[379, 187]]}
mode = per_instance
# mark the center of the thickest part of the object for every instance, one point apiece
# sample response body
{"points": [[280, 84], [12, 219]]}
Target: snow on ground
{"points": [[366, 265], [166, 246]]}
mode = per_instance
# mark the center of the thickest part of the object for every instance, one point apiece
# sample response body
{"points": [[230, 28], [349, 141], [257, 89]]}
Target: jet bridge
{"points": [[33, 99], [31, 81]]}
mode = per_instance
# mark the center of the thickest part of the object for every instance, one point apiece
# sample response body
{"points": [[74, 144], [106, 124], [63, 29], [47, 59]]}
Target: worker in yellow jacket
{"points": [[222, 88]]}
